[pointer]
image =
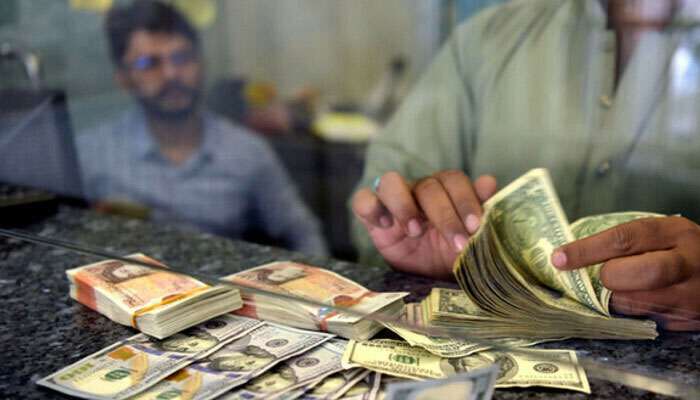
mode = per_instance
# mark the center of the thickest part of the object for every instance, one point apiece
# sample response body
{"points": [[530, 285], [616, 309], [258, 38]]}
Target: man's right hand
{"points": [[421, 227]]}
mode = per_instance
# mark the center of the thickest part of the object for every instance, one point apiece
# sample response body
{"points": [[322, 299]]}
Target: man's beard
{"points": [[153, 104]]}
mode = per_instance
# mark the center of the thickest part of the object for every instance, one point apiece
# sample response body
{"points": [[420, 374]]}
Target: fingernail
{"points": [[472, 223], [414, 228], [460, 241], [385, 221], [559, 259]]}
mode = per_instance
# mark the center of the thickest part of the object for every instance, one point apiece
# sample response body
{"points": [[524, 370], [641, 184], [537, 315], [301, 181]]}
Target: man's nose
{"points": [[169, 69]]}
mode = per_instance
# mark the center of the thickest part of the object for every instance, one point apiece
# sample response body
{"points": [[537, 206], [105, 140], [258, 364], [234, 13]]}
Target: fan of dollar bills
{"points": [[516, 291]]}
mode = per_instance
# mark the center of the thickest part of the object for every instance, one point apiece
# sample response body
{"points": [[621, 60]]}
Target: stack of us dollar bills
{"points": [[153, 301], [235, 357], [506, 271], [317, 284]]}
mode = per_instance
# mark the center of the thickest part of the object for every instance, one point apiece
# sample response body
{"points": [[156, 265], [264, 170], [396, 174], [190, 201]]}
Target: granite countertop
{"points": [[45, 330]]}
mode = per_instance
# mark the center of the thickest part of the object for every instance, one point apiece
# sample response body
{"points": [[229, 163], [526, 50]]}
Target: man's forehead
{"points": [[147, 42]]}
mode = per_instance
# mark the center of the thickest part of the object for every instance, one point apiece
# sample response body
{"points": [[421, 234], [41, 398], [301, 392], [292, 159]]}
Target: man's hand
{"points": [[421, 228], [652, 266]]}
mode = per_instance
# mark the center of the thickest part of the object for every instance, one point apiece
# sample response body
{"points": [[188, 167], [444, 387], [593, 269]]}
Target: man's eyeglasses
{"points": [[149, 63]]}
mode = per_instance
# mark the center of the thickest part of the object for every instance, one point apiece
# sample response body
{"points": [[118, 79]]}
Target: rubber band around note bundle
{"points": [[347, 304], [164, 302]]}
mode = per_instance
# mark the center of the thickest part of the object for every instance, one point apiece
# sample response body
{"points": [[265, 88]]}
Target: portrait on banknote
{"points": [[116, 272], [192, 340], [247, 359], [329, 385], [508, 367], [283, 378], [239, 356], [279, 275]]}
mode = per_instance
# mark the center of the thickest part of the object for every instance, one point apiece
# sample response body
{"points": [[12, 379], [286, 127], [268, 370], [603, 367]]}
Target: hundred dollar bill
{"points": [[132, 365], [441, 346], [448, 347], [237, 362], [155, 302], [315, 284], [367, 389], [303, 371], [334, 386], [547, 368], [473, 385], [588, 226]]}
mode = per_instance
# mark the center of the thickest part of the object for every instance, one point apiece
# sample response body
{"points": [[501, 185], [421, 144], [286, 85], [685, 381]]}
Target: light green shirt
{"points": [[531, 84]]}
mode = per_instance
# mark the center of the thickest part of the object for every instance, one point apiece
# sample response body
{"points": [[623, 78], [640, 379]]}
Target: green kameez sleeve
{"points": [[430, 132]]}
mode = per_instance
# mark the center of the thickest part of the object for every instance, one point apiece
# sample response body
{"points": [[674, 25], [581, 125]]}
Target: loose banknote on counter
{"points": [[524, 368], [515, 290], [153, 301], [237, 362], [296, 375], [316, 284], [139, 362]]}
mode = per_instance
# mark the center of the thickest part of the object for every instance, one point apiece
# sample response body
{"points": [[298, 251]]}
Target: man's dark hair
{"points": [[149, 15]]}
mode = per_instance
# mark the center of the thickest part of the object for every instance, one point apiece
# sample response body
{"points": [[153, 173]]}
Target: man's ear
{"points": [[123, 81]]}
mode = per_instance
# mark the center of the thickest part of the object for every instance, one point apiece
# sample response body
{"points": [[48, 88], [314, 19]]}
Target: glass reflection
{"points": [[232, 127]]}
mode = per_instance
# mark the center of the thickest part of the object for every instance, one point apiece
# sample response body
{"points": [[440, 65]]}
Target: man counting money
{"points": [[598, 92]]}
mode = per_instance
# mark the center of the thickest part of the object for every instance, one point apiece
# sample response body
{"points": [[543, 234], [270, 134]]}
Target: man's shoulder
{"points": [[106, 131], [510, 17], [231, 135]]}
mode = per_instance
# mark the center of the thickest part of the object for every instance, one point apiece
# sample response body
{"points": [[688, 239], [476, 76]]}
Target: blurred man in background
{"points": [[605, 94], [185, 165]]}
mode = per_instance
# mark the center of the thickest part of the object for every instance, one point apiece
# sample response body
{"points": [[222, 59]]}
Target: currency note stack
{"points": [[506, 271], [316, 284], [155, 302], [446, 308]]}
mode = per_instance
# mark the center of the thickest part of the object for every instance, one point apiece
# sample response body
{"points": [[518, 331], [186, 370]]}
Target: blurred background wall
{"points": [[338, 46], [341, 47]]}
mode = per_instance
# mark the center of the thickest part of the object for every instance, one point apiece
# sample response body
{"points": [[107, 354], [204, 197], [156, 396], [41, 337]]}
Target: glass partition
{"points": [[260, 121]]}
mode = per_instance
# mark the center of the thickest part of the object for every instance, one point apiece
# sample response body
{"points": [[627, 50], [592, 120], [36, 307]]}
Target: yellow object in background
{"points": [[345, 127], [259, 93], [201, 13], [91, 5]]}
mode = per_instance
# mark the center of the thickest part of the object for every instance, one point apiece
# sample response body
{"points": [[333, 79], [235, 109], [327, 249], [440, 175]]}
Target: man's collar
{"points": [[143, 143]]}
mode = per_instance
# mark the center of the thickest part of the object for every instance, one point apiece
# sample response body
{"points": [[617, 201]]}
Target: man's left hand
{"points": [[651, 265]]}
